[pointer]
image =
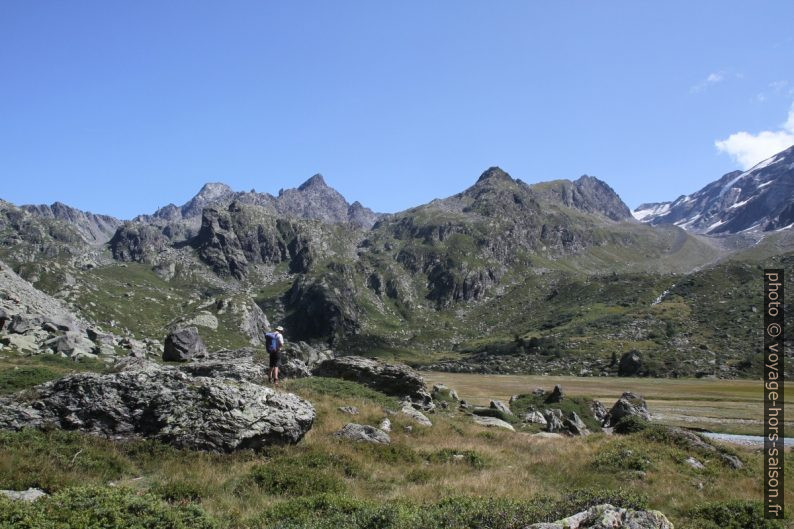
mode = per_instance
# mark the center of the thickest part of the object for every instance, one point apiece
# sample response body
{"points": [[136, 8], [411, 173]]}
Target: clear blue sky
{"points": [[122, 107]]}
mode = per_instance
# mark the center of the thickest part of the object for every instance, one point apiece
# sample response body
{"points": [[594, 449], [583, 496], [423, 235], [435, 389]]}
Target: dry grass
{"points": [[728, 406]]}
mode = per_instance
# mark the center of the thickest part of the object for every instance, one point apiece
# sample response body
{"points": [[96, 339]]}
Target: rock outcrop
{"points": [[609, 517], [492, 422], [628, 404], [162, 403], [398, 380], [630, 364]]}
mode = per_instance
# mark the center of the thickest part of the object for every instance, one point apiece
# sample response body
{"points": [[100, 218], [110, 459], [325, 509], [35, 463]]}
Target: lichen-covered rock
{"points": [[31, 494], [163, 403], [392, 379], [363, 433], [607, 516], [183, 344]]}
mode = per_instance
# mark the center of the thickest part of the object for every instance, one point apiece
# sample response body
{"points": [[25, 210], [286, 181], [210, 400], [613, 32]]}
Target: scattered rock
{"points": [[414, 414], [363, 433], [694, 463], [385, 425], [3, 318], [609, 517], [183, 344], [294, 368], [492, 422], [535, 417], [575, 426], [392, 379], [165, 404], [501, 407], [553, 420], [556, 395], [350, 410], [599, 411], [630, 364], [442, 392], [538, 392], [24, 495], [628, 404], [408, 428]]}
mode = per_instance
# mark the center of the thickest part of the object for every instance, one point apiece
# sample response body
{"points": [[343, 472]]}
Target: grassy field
{"points": [[454, 474], [726, 406]]}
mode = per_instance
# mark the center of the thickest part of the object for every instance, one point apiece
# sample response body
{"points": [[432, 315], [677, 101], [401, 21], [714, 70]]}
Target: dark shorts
{"points": [[275, 359]]}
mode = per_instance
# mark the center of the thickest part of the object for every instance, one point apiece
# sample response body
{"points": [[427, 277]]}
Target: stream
{"points": [[747, 440]]}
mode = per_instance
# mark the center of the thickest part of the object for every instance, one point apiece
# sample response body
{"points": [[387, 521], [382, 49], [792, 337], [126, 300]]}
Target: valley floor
{"points": [[725, 406]]}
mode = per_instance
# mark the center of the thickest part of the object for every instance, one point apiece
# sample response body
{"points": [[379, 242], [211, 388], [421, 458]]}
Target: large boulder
{"points": [[183, 344], [628, 404], [392, 379], [607, 516], [630, 364], [144, 399]]}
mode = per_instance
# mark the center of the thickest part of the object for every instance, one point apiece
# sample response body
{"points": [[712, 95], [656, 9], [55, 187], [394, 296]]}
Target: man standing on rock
{"points": [[274, 341]]}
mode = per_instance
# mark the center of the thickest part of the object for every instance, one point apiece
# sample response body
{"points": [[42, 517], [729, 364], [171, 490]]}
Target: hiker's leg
{"points": [[275, 375]]}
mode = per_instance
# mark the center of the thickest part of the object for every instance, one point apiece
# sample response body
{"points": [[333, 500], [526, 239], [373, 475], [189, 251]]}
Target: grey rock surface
{"points": [[492, 422], [183, 344], [628, 404], [501, 407], [409, 411], [606, 516], [363, 433], [31, 494], [392, 379], [144, 399]]}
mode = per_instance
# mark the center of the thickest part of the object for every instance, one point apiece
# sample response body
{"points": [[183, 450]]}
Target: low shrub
{"points": [[730, 515], [631, 424], [101, 507], [178, 491], [619, 457], [285, 479]]}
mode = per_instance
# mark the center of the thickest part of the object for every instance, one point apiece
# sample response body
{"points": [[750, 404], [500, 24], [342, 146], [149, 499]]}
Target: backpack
{"points": [[271, 342]]}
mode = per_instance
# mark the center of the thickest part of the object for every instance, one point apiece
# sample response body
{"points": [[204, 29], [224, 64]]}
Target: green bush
{"points": [[730, 515], [631, 424], [284, 479], [617, 457], [178, 491], [101, 508]]}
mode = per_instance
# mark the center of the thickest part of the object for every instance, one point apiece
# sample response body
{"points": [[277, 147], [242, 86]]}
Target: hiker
{"points": [[274, 341]]}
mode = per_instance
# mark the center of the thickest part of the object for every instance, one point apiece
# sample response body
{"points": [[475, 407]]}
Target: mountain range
{"points": [[505, 276]]}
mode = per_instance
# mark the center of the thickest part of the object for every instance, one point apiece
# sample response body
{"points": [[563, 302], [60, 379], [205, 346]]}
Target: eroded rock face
{"points": [[392, 379], [607, 516], [163, 403], [183, 344]]}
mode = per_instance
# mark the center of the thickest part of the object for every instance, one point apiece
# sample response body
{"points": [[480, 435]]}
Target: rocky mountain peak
{"points": [[756, 200], [315, 182], [213, 190], [494, 174]]}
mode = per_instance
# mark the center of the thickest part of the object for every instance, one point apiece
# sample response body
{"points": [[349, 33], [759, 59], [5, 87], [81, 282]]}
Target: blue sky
{"points": [[122, 107]]}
